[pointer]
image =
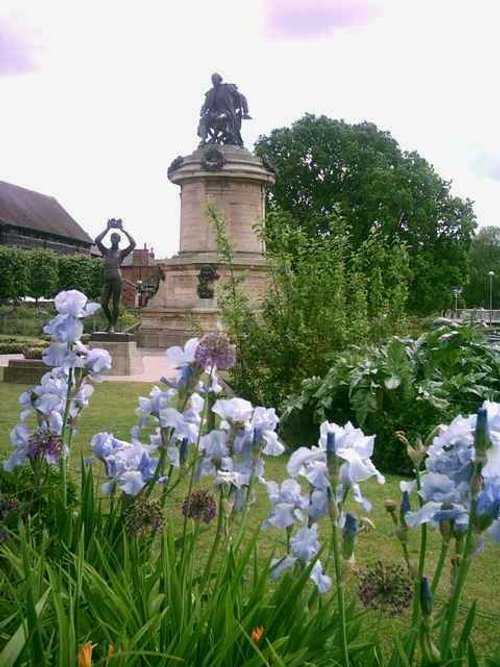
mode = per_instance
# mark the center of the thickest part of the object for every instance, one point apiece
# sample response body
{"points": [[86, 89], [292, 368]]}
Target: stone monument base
{"points": [[176, 313], [167, 326], [231, 182], [25, 371], [123, 350]]}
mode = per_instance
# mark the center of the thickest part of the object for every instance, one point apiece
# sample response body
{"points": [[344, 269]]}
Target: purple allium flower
{"points": [[144, 517], [386, 587], [214, 349], [8, 504], [45, 444], [200, 506]]}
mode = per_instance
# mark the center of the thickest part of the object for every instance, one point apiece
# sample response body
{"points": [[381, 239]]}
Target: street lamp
{"points": [[491, 274], [139, 293], [456, 291]]}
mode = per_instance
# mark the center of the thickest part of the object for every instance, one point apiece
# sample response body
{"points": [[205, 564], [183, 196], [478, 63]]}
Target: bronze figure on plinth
{"points": [[222, 113], [113, 258]]}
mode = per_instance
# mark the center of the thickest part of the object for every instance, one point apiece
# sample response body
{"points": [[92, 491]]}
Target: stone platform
{"points": [[123, 350], [25, 371]]}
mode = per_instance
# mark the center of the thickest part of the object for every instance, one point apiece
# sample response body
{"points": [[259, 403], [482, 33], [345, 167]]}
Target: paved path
{"points": [[154, 360], [155, 367]]}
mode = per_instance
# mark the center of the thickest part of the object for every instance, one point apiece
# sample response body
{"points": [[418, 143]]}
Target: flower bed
{"points": [[106, 572]]}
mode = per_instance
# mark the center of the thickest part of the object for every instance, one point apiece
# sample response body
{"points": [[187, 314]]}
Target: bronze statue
{"points": [[113, 258], [222, 113], [206, 278]]}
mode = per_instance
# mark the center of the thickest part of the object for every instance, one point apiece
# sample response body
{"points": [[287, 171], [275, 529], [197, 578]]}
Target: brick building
{"points": [[141, 273], [29, 219]]}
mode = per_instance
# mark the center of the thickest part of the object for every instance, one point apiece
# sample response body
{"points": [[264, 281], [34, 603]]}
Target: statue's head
{"points": [[216, 79], [115, 240]]}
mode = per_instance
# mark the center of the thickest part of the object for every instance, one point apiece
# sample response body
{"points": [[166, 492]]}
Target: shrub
{"points": [[14, 273], [322, 296], [43, 274], [33, 352], [18, 344], [403, 384]]}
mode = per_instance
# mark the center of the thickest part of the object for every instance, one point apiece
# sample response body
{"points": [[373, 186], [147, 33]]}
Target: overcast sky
{"points": [[98, 97]]}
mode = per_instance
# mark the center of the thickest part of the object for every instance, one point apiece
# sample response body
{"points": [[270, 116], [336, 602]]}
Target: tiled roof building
{"points": [[29, 219]]}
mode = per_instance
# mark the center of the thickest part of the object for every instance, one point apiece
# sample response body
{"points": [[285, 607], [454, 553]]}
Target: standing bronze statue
{"points": [[113, 258], [222, 113]]}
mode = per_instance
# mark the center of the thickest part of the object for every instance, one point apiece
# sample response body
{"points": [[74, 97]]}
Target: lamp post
{"points": [[456, 291], [139, 294], [491, 274]]}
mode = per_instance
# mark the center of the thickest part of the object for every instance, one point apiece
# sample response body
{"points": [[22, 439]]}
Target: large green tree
{"points": [[326, 166], [484, 256]]}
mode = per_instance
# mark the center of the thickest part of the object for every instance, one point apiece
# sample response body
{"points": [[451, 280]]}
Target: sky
{"points": [[98, 97]]}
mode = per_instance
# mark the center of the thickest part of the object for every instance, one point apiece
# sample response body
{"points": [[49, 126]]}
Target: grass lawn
{"points": [[112, 409]]}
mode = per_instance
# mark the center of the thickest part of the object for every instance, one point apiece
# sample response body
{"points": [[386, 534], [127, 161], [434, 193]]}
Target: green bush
{"points": [[403, 384], [43, 274], [33, 351], [75, 272], [23, 320], [323, 295], [17, 344], [14, 273]]}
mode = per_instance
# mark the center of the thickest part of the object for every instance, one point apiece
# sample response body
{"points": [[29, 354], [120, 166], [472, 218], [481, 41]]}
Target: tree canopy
{"points": [[484, 256], [327, 166]]}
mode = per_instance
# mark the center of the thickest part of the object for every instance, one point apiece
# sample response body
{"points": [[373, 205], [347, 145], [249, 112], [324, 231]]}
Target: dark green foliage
{"points": [[18, 344], [323, 295], [75, 272], [14, 273], [484, 256], [43, 273], [326, 166], [409, 385], [96, 280], [25, 320]]}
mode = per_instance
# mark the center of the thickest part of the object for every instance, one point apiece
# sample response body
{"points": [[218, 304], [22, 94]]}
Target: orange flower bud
{"points": [[257, 634], [85, 655]]}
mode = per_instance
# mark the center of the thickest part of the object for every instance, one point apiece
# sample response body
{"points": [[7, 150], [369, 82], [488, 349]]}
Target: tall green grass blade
{"points": [[17, 643]]}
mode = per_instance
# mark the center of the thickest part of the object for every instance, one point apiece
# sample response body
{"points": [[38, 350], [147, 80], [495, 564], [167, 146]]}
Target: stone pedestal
{"points": [[123, 350], [233, 180], [25, 371]]}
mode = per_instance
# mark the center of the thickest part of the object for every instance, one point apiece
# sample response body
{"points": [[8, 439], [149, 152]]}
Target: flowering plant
{"points": [[118, 570], [51, 409]]}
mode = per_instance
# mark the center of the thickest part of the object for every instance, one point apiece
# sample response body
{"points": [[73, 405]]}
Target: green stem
{"points": [[421, 562], [197, 448], [406, 556], [62, 460], [440, 564], [215, 544], [340, 590], [451, 616]]}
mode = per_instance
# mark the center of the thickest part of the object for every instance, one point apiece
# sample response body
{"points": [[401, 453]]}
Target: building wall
{"points": [[142, 267], [24, 238]]}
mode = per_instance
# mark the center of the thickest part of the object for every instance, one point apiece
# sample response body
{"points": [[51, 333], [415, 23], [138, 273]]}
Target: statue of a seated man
{"points": [[222, 113]]}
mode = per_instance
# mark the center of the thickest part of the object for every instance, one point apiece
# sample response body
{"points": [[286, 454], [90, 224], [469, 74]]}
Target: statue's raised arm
{"points": [[221, 114]]}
